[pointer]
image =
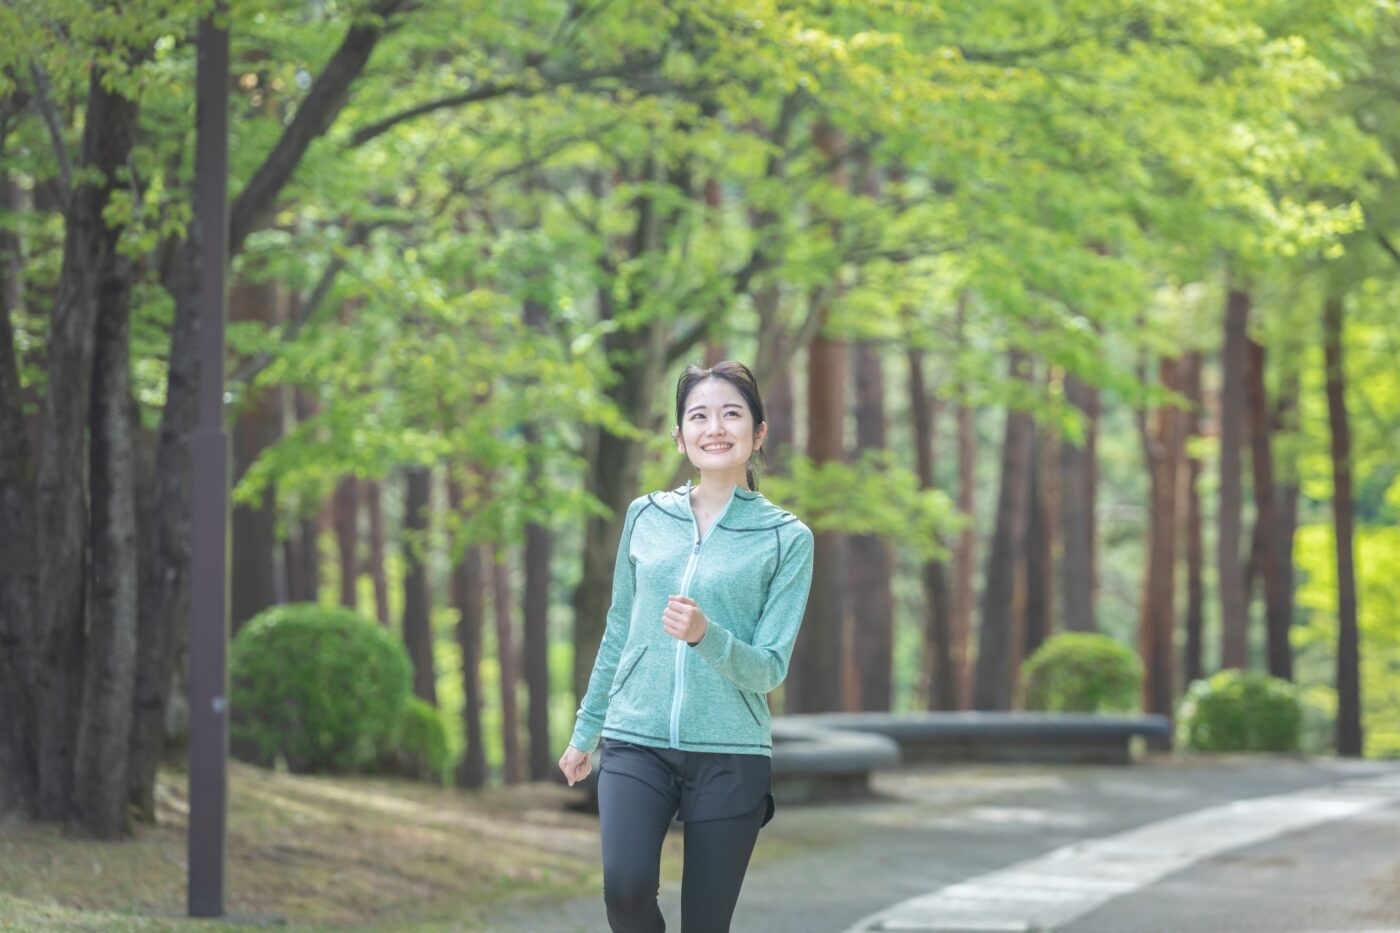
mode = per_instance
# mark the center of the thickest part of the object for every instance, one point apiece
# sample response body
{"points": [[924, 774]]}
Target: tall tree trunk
{"points": [[417, 626], [965, 558], [303, 546], [89, 260], [1193, 662], [104, 730], [1162, 451], [870, 567], [992, 686], [638, 358], [19, 572], [252, 586], [374, 505], [1349, 734], [1234, 620], [469, 597], [1038, 553], [535, 596], [345, 509], [1266, 510], [513, 767], [939, 674], [814, 678], [1078, 481]]}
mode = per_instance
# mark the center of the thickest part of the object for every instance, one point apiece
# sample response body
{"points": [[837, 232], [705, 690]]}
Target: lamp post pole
{"points": [[209, 462]]}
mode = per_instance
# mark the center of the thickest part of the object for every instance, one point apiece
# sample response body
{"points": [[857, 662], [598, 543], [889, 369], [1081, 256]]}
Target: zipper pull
{"points": [[697, 546]]}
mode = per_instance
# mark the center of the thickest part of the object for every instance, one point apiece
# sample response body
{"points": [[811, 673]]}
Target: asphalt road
{"points": [[1170, 844]]}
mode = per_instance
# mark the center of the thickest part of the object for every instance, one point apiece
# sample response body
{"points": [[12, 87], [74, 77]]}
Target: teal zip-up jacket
{"points": [[750, 576]]}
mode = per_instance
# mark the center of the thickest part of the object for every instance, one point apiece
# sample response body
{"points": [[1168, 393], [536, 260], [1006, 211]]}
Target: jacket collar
{"points": [[739, 491]]}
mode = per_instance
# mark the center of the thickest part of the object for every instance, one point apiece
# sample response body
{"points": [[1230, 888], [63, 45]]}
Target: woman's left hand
{"points": [[683, 619]]}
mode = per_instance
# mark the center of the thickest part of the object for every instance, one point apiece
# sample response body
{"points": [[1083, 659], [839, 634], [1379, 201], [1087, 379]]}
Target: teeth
{"points": [[717, 447]]}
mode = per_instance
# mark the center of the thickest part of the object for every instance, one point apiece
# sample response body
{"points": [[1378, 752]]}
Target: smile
{"points": [[715, 448]]}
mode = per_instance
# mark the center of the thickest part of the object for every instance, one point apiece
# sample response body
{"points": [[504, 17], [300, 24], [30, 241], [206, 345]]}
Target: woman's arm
{"points": [[593, 708], [761, 666]]}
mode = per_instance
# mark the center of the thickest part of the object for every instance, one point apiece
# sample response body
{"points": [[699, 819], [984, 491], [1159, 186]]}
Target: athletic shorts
{"points": [[705, 785]]}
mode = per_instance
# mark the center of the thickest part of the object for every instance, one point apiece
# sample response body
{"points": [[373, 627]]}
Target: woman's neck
{"points": [[714, 490]]}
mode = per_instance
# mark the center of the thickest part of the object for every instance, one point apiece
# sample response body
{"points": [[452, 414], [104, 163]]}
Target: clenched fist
{"points": [[575, 765]]}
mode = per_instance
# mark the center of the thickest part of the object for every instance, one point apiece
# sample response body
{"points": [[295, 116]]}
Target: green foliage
{"points": [[1082, 672], [320, 688], [1240, 711], [420, 751]]}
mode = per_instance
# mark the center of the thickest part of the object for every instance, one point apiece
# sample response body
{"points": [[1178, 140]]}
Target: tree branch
{"points": [[500, 89], [44, 98], [1388, 246], [314, 116]]}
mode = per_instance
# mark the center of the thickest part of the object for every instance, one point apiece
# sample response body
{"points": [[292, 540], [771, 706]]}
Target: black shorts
{"points": [[705, 785]]}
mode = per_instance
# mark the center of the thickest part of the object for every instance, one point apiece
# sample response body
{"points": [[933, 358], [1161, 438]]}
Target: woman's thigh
{"points": [[716, 858], [634, 817]]}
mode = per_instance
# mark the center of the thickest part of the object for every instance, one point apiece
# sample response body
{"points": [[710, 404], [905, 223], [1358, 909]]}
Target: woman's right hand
{"points": [[575, 765]]}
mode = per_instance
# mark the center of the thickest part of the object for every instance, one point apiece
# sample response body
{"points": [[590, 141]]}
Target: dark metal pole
{"points": [[209, 455]]}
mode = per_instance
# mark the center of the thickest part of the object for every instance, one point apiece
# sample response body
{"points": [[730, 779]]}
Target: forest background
{"points": [[1068, 316]]}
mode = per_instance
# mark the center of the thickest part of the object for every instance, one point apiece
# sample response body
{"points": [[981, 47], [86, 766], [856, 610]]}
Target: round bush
{"points": [[320, 687], [421, 751], [1081, 672], [1239, 711]]}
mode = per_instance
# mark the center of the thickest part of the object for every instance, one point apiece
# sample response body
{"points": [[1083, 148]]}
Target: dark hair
{"points": [[737, 375]]}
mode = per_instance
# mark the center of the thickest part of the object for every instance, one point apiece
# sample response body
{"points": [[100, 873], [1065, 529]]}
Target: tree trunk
{"points": [[1267, 515], [469, 596], [104, 730], [417, 626], [1162, 451], [19, 571], [1234, 619], [538, 543], [303, 546], [375, 507], [1349, 734], [1038, 553], [1078, 481], [870, 567], [535, 597], [1193, 662], [939, 675], [512, 766], [994, 677], [814, 677], [965, 559], [252, 586], [89, 263], [345, 509]]}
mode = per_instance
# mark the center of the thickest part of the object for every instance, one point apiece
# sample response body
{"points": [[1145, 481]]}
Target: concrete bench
{"points": [[1002, 736]]}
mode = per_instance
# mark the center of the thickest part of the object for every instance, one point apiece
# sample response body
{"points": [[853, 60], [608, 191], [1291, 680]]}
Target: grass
{"points": [[311, 853]]}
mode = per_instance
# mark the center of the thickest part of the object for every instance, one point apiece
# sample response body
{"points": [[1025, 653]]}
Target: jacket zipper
{"points": [[678, 696]]}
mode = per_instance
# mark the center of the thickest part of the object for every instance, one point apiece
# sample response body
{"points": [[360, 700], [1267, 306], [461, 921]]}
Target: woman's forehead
{"points": [[714, 393]]}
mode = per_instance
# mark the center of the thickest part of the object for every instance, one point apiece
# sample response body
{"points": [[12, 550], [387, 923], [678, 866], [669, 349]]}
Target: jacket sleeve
{"points": [[760, 667], [593, 708]]}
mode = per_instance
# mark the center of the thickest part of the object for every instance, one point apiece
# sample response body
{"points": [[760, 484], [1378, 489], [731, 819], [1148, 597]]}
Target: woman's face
{"points": [[717, 429]]}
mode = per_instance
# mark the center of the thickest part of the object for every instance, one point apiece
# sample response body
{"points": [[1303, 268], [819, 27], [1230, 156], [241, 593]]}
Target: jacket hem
{"points": [[661, 741]]}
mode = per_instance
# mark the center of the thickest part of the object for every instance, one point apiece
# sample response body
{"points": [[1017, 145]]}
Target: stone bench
{"points": [[1002, 736]]}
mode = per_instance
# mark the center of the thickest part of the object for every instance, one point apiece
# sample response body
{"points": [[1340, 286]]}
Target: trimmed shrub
{"points": [[421, 751], [1239, 711], [1081, 672], [319, 687]]}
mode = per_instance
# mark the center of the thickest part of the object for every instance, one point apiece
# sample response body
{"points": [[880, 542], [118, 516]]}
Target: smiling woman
{"points": [[679, 708]]}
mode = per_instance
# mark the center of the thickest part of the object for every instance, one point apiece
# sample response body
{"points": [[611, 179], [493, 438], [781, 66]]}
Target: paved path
{"points": [[1160, 846]]}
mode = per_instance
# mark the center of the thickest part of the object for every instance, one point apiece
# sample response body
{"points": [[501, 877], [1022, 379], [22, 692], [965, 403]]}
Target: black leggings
{"points": [[634, 817]]}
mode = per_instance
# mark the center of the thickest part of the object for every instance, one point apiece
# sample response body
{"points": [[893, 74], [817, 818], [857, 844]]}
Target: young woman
{"points": [[709, 590]]}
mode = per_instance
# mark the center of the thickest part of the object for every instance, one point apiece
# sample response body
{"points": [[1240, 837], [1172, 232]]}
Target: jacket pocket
{"points": [[744, 695], [621, 678]]}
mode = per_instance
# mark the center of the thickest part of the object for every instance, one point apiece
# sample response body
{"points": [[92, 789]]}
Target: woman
{"points": [[709, 589]]}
